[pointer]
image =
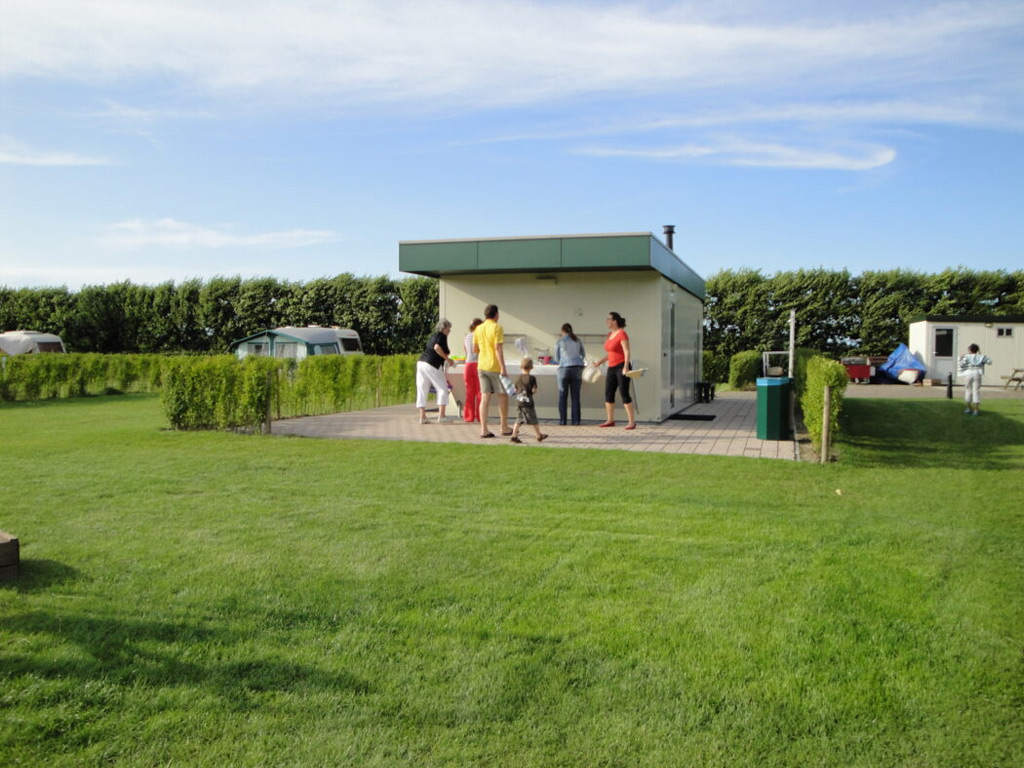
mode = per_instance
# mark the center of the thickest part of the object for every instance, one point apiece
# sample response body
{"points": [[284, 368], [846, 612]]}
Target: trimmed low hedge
{"points": [[218, 392], [223, 393], [822, 372], [715, 367], [744, 368], [48, 376]]}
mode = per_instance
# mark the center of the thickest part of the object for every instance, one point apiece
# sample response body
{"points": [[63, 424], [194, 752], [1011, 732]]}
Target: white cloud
{"points": [[125, 113], [780, 156], [14, 152], [739, 152], [684, 152], [168, 233], [466, 54]]}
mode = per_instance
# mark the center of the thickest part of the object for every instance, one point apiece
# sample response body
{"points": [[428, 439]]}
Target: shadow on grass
{"points": [[159, 654], [930, 434], [34, 575]]}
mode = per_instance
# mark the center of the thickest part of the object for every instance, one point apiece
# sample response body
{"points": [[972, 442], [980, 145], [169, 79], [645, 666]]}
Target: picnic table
{"points": [[1016, 378]]}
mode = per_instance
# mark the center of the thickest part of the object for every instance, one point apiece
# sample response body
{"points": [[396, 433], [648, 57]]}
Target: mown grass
{"points": [[210, 599]]}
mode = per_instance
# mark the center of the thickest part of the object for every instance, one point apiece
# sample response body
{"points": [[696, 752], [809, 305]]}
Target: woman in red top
{"points": [[617, 347]]}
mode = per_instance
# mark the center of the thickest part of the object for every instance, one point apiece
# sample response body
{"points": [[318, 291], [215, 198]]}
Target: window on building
{"points": [[286, 349], [943, 342], [1004, 331]]}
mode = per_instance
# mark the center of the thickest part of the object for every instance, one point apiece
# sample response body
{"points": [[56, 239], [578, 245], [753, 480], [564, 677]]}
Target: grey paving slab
{"points": [[732, 432]]}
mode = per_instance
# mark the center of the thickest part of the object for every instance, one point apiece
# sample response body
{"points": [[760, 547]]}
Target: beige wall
{"points": [[536, 309], [1007, 353]]}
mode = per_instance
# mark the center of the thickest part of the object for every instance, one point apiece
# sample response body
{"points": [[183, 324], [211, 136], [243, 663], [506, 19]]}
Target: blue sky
{"points": [[154, 141]]}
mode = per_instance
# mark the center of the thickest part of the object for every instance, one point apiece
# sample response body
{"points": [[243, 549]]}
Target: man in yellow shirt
{"points": [[488, 339]]}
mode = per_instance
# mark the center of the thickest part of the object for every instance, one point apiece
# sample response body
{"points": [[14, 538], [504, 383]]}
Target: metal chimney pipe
{"points": [[670, 230]]}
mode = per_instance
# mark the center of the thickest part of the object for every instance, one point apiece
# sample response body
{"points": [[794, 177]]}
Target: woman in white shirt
{"points": [[970, 368]]}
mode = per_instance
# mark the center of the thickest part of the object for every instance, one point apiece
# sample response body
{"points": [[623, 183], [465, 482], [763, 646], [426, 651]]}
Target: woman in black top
{"points": [[430, 372]]}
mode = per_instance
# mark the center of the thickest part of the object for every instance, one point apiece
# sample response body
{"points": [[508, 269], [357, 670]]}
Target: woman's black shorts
{"points": [[617, 380]]}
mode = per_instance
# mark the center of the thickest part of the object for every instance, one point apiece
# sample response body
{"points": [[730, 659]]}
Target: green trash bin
{"points": [[773, 408]]}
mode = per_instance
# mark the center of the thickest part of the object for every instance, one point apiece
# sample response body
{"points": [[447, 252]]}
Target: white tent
{"points": [[30, 342]]}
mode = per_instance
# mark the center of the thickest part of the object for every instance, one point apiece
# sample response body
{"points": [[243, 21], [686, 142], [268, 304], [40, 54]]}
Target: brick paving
{"points": [[733, 431]]}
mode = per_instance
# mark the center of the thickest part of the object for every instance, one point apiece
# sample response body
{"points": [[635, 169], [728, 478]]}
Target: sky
{"points": [[152, 141]]}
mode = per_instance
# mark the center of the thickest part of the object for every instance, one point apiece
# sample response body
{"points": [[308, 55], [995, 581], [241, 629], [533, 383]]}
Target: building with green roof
{"points": [[541, 282]]}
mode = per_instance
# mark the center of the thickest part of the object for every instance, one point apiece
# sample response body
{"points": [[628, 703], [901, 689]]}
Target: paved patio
{"points": [[732, 431]]}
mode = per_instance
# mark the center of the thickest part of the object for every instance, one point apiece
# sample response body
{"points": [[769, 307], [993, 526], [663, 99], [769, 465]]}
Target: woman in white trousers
{"points": [[971, 367], [430, 371]]}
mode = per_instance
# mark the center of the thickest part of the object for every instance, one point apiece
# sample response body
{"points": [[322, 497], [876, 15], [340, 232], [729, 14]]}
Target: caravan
{"points": [[29, 343], [299, 343]]}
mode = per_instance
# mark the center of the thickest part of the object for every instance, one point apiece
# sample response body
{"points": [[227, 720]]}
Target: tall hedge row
{"points": [[392, 316], [822, 372], [837, 313]]}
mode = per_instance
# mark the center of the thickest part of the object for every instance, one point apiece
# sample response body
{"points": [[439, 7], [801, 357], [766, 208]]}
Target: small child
{"points": [[526, 386]]}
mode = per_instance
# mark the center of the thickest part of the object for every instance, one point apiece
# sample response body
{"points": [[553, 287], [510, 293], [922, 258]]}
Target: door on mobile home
{"points": [[943, 353]]}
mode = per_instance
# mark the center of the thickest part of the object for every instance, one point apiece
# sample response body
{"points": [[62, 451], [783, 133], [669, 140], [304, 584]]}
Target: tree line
{"points": [[837, 313], [392, 316]]}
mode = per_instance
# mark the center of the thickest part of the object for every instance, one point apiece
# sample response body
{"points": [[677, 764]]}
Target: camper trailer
{"points": [[299, 343], [30, 342]]}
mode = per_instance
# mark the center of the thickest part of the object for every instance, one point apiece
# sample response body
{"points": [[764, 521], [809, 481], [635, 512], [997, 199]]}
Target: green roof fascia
{"points": [[967, 318], [672, 267], [567, 253]]}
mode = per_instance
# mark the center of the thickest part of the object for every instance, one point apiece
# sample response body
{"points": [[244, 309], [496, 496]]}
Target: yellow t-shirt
{"points": [[486, 336]]}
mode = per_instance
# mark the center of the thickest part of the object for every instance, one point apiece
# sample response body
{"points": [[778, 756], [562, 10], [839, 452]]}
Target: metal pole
{"points": [[949, 386], [792, 339], [826, 425]]}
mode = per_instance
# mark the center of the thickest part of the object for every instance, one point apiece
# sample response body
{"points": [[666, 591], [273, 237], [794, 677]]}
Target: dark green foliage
{"points": [[820, 373], [391, 316], [716, 367], [838, 314]]}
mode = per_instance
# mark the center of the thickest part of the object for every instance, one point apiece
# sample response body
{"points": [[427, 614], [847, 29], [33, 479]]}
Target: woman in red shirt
{"points": [[617, 347]]}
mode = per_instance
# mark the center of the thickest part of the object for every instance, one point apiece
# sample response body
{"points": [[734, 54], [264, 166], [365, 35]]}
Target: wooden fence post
{"points": [[269, 415], [826, 425]]}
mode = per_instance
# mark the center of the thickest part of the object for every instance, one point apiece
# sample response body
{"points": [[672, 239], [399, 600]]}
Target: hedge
{"points": [[715, 367], [218, 392], [43, 377], [223, 393], [744, 368], [821, 373]]}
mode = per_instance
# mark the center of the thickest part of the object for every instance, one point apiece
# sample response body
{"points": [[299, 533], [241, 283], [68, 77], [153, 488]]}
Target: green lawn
{"points": [[209, 599]]}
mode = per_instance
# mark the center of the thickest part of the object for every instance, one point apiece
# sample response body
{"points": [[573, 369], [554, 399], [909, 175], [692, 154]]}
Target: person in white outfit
{"points": [[970, 368], [430, 371]]}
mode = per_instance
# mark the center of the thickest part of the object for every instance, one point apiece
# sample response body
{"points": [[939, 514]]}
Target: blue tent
{"points": [[900, 360]]}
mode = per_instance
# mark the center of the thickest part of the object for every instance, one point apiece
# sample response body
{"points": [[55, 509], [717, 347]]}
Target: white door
{"points": [[943, 353]]}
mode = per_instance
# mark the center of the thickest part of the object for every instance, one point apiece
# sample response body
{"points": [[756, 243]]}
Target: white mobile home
{"points": [[938, 340], [539, 283]]}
